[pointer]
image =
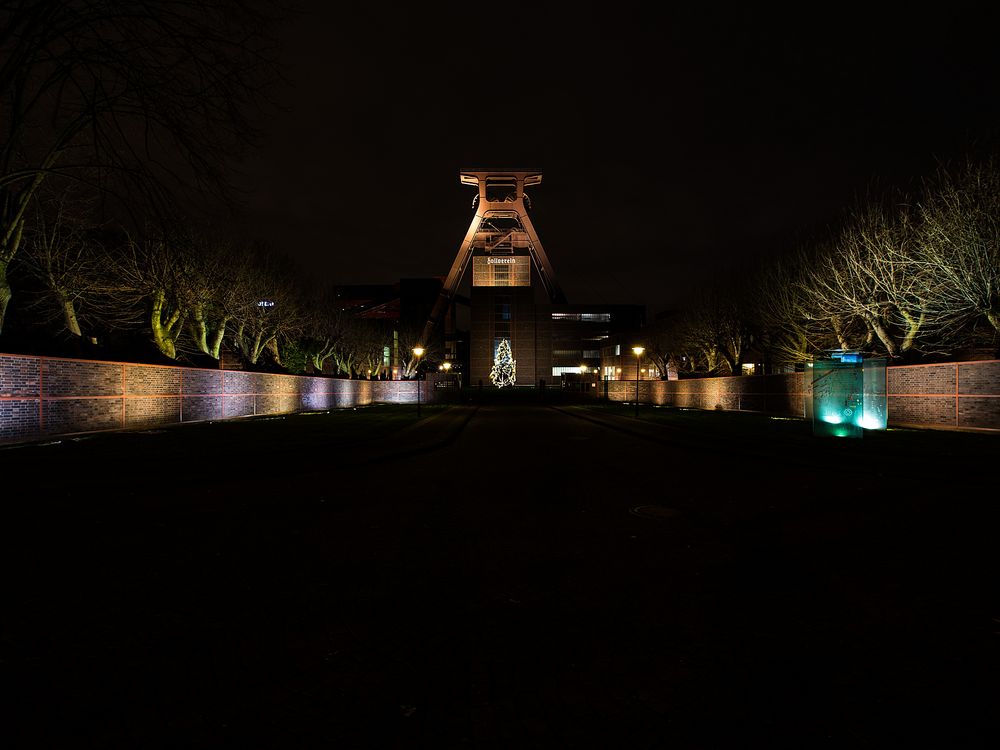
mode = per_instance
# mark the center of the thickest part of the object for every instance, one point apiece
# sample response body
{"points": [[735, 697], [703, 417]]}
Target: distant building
{"points": [[548, 341], [514, 296], [405, 307], [619, 362]]}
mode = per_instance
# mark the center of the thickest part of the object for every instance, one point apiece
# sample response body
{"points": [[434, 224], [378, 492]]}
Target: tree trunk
{"points": [[913, 326], [5, 292], [993, 316], [255, 349], [69, 316], [272, 344], [883, 335], [164, 333], [839, 333], [730, 361], [215, 344], [13, 228], [199, 333], [240, 340]]}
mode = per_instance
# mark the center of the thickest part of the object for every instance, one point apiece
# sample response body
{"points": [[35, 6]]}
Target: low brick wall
{"points": [[42, 396], [963, 395], [774, 394]]}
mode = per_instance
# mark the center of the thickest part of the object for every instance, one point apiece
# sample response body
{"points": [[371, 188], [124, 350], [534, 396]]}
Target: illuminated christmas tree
{"points": [[503, 366]]}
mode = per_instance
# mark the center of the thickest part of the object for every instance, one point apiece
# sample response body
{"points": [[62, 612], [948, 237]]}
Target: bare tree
{"points": [[269, 311], [866, 285], [958, 248], [344, 351], [360, 350], [696, 352], [134, 97], [408, 338], [370, 341], [211, 292], [793, 326], [719, 330], [324, 326], [182, 284], [150, 275], [66, 261], [660, 339]]}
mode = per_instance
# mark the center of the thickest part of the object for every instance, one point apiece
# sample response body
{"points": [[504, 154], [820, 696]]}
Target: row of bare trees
{"points": [[143, 104], [903, 278], [129, 113], [190, 294]]}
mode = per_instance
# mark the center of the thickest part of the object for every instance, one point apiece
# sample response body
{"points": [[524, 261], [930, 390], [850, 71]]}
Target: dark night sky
{"points": [[673, 143]]}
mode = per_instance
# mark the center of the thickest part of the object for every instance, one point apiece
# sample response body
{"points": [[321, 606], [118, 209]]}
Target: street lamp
{"points": [[418, 352], [638, 358], [447, 371]]}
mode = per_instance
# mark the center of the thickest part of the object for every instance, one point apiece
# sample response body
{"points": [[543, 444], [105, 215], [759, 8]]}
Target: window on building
{"points": [[584, 317], [501, 320]]}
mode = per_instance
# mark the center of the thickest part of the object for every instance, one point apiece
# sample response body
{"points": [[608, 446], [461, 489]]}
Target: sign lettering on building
{"points": [[501, 270]]}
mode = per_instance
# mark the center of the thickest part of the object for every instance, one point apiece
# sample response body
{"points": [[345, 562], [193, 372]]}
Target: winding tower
{"points": [[504, 247]]}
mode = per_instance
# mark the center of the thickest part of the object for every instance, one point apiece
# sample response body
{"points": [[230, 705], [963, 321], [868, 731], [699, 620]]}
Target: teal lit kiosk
{"points": [[847, 394]]}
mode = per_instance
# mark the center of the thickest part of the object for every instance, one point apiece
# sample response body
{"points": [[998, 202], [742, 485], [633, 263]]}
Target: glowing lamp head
{"points": [[418, 351], [446, 366], [638, 350]]}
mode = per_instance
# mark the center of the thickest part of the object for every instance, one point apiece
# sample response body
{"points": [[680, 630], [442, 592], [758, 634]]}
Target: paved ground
{"points": [[502, 577]]}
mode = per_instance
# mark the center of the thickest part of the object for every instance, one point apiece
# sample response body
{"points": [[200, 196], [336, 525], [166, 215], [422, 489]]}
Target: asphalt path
{"points": [[507, 576]]}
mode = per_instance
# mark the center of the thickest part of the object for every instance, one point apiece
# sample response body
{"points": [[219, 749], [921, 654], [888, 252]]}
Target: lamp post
{"points": [[447, 371], [418, 352], [638, 358]]}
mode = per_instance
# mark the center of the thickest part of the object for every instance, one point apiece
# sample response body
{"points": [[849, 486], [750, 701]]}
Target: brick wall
{"points": [[960, 394], [964, 395], [41, 396], [775, 394]]}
